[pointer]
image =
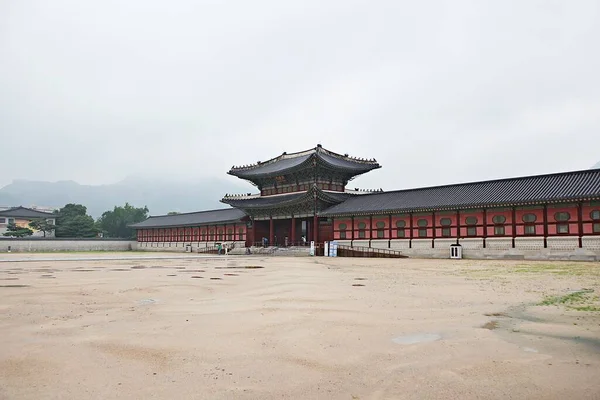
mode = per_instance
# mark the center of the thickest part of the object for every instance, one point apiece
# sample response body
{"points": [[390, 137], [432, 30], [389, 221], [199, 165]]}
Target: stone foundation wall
{"points": [[53, 244], [181, 247], [526, 248]]}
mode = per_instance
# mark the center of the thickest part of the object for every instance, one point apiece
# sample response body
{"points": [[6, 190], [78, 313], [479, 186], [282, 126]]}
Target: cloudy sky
{"points": [[437, 91]]}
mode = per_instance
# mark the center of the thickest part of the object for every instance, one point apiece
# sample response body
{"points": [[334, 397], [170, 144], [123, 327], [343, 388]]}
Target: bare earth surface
{"points": [[299, 328]]}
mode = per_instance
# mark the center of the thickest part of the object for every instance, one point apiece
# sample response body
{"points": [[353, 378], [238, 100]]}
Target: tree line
{"points": [[73, 221]]}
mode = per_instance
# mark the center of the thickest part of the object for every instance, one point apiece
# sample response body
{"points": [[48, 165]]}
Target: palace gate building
{"points": [[305, 195]]}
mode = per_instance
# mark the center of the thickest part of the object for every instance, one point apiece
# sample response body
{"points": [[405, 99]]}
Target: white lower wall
{"points": [[529, 248], [48, 245], [182, 246], [529, 243], [526, 248], [591, 243], [563, 243], [360, 243], [498, 243], [380, 243]]}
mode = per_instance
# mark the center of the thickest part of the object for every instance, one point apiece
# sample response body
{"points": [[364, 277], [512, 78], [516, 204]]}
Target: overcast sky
{"points": [[437, 91]]}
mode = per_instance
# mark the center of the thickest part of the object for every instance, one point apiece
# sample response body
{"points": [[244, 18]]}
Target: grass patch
{"points": [[571, 298], [586, 308], [558, 268], [581, 300]]}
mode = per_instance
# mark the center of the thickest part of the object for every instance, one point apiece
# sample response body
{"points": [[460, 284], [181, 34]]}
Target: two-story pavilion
{"points": [[293, 190]]}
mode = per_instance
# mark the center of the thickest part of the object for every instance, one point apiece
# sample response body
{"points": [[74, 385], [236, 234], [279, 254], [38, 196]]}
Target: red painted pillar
{"points": [[389, 231], [316, 228], [370, 229], [252, 233], [545, 226], [271, 232], [352, 232], [485, 232], [514, 226], [293, 235], [434, 232], [579, 223]]}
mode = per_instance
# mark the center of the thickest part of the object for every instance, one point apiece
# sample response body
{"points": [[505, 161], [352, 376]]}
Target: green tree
{"points": [[116, 223], [73, 222], [42, 225], [17, 231]]}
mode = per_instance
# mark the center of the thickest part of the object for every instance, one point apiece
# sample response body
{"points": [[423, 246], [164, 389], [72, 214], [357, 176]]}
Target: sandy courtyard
{"points": [[298, 328]]}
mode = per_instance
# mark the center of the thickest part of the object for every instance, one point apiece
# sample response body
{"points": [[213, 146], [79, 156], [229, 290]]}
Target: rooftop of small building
{"points": [[24, 212]]}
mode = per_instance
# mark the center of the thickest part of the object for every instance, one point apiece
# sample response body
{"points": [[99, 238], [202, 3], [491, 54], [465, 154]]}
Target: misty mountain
{"points": [[160, 196]]}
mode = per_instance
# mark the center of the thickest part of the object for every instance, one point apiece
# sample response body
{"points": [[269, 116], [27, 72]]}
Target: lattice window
{"points": [[380, 229], [361, 230], [400, 229], [446, 231]]}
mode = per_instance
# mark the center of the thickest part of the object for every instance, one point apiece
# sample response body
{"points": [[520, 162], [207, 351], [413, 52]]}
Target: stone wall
{"points": [[53, 244], [182, 247], [526, 248]]}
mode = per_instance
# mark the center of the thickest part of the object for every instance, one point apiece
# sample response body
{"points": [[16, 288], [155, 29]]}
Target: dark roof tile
{"points": [[522, 190], [222, 216], [23, 212], [286, 162]]}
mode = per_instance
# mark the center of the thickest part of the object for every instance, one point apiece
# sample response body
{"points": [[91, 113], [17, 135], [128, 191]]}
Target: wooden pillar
{"points": [[293, 233], [370, 229], [457, 226], [253, 235], [352, 231], [316, 228], [545, 225], [580, 223], [390, 231], [433, 227], [271, 232], [484, 226], [410, 225], [514, 226]]}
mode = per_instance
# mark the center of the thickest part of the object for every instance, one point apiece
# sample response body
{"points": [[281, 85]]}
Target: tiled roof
{"points": [[286, 199], [22, 212], [226, 215], [287, 162], [577, 185]]}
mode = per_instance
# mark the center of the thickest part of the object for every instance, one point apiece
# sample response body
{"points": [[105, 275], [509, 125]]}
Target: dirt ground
{"points": [[299, 328]]}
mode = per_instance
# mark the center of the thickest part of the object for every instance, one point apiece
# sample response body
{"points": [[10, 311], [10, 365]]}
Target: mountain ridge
{"points": [[159, 195]]}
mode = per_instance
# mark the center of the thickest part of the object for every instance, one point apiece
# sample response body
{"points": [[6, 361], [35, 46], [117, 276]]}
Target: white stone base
{"points": [[422, 243], [400, 244], [591, 243], [498, 243], [380, 243], [360, 243], [563, 243], [529, 243], [471, 243]]}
